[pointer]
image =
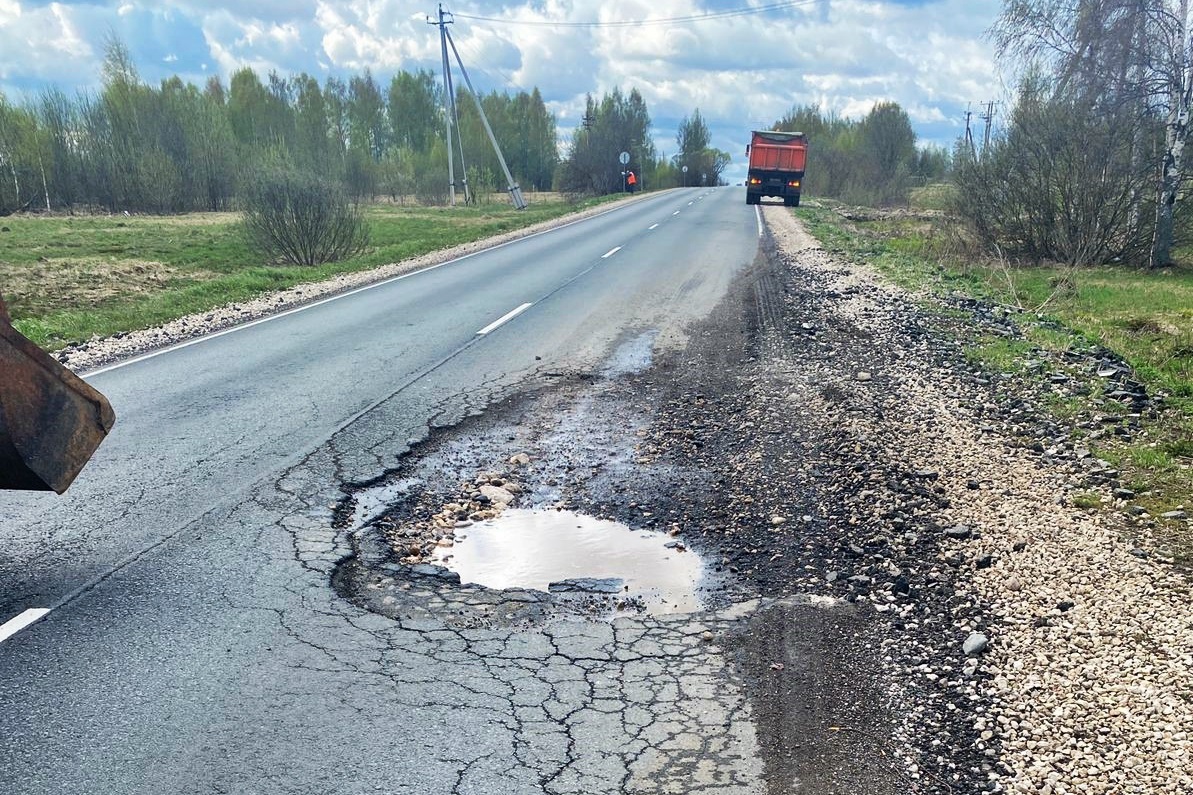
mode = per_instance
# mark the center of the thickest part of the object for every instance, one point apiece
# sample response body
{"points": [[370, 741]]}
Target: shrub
{"points": [[301, 218]]}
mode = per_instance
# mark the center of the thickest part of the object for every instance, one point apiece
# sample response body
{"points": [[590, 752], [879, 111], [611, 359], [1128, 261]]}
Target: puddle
{"points": [[562, 552]]}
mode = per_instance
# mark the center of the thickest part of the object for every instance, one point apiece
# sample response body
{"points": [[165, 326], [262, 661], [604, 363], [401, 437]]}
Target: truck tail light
{"points": [[755, 181], [793, 183]]}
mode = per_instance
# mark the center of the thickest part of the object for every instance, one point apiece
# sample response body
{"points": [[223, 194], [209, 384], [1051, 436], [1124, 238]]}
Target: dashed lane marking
{"points": [[611, 252], [652, 226], [15, 625], [336, 297], [501, 321]]}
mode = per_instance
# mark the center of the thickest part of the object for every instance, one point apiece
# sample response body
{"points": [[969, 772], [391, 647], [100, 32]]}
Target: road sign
{"points": [[685, 169], [624, 157]]}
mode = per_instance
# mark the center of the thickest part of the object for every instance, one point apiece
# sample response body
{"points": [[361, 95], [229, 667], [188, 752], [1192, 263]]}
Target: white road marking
{"points": [[501, 321], [15, 625], [758, 217], [652, 226], [611, 252], [675, 213], [329, 299], [691, 203]]}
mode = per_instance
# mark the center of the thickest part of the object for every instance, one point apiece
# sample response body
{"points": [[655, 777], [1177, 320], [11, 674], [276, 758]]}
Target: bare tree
{"points": [[302, 219], [1130, 60], [1177, 79]]}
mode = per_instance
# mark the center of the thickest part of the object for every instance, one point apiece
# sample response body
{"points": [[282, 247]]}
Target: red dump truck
{"points": [[776, 165]]}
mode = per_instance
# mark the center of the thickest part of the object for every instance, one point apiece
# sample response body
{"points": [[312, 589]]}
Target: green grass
{"points": [[1143, 316], [937, 196], [999, 353], [66, 279]]}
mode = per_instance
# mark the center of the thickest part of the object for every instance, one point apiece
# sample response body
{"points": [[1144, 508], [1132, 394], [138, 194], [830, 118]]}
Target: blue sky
{"points": [[742, 71]]}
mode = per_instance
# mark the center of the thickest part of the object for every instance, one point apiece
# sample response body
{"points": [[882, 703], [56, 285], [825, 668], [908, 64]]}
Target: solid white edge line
{"points": [[15, 625], [758, 217], [652, 226], [501, 321], [611, 252], [179, 346]]}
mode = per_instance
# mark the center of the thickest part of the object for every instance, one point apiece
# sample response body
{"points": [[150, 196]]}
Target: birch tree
{"points": [[1126, 59]]}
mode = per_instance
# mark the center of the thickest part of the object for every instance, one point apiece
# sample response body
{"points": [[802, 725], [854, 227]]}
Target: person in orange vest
{"points": [[631, 181]]}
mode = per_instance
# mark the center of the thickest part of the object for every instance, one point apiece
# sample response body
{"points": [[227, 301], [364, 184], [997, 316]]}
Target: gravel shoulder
{"points": [[1087, 682]]}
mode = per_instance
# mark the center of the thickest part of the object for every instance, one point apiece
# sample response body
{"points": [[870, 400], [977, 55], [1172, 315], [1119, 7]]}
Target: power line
{"points": [[729, 13]]}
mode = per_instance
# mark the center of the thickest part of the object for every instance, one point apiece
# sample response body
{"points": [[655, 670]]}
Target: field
{"points": [[68, 278]]}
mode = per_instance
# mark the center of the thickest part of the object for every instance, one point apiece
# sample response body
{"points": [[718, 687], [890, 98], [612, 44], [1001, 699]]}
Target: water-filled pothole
{"points": [[562, 551]]}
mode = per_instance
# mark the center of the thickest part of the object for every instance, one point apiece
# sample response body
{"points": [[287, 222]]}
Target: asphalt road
{"points": [[194, 643]]}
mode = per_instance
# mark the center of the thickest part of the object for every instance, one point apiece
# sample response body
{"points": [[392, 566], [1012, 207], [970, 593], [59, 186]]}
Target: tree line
{"points": [[620, 122], [1091, 166], [178, 147], [871, 161]]}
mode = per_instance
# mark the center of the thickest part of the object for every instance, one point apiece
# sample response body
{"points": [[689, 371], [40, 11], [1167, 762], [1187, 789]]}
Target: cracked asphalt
{"points": [[206, 633], [243, 589]]}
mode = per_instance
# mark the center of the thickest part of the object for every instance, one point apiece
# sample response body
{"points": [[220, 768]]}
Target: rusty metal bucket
{"points": [[51, 421]]}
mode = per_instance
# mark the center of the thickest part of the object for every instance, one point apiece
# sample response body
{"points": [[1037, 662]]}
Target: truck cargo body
{"points": [[777, 161]]}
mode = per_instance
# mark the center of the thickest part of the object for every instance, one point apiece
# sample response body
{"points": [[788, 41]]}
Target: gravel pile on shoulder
{"points": [[1074, 635]]}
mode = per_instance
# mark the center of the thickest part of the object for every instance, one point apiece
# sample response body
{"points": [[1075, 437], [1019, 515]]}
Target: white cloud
{"points": [[236, 42], [10, 11], [741, 71], [49, 38]]}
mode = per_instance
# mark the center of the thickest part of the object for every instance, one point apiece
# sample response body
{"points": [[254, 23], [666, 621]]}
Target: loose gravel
{"points": [[1077, 633]]}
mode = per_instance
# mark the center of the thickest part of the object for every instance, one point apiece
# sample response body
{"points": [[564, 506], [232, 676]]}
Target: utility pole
{"points": [[969, 133], [448, 102], [515, 190], [987, 117]]}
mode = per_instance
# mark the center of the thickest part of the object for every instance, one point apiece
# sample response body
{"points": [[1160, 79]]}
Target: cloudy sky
{"points": [[743, 70]]}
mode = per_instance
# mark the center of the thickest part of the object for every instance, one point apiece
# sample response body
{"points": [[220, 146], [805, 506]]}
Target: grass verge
{"points": [[68, 278], [1143, 317]]}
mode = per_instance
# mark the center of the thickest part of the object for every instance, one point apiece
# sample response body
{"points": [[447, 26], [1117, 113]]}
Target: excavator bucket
{"points": [[51, 421]]}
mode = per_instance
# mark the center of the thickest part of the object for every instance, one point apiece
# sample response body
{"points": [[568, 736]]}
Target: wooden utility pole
{"points": [[515, 190], [987, 117], [448, 102]]}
